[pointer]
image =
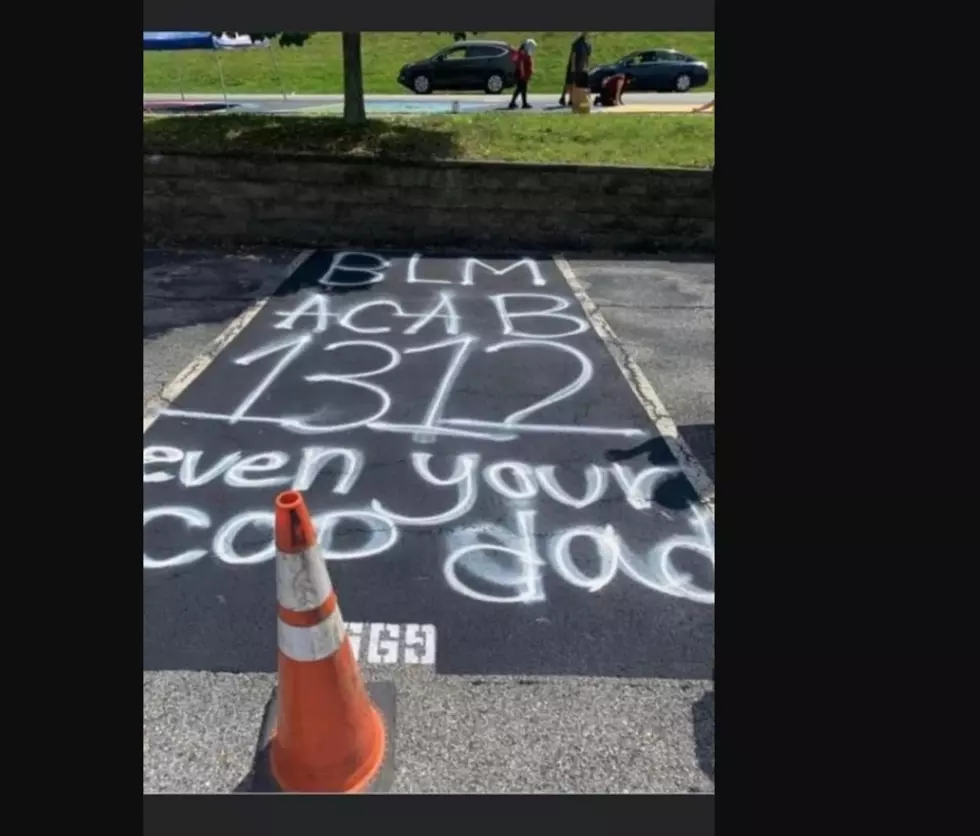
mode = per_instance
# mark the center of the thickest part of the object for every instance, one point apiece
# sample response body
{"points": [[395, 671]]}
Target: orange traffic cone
{"points": [[329, 736]]}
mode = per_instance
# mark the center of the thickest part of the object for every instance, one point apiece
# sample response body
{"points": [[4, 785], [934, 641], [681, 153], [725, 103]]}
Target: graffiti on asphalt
{"points": [[342, 354]]}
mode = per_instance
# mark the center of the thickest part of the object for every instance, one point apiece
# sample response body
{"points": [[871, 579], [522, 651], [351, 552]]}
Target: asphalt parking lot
{"points": [[568, 685]]}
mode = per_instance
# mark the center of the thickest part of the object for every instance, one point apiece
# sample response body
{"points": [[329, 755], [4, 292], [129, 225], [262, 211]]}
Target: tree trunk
{"points": [[353, 79]]}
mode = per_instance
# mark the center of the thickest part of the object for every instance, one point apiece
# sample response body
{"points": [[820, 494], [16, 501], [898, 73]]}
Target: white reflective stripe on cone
{"points": [[311, 644], [302, 582]]}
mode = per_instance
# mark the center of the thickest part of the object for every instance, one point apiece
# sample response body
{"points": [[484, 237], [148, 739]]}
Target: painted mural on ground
{"points": [[477, 467]]}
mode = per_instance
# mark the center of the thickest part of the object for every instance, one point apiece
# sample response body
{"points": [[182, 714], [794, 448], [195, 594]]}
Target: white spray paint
{"points": [[246, 538], [512, 480], [224, 543], [462, 477], [657, 570], [445, 310], [607, 546], [470, 265], [596, 480], [294, 346], [319, 307], [339, 263], [411, 275], [555, 311], [639, 487], [486, 562], [433, 423], [192, 518], [377, 532], [518, 570], [355, 379], [316, 305], [521, 579], [312, 461], [462, 346], [349, 319], [239, 473]]}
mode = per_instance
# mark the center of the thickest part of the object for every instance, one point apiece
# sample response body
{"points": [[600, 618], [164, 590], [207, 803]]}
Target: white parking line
{"points": [[193, 369], [644, 391]]}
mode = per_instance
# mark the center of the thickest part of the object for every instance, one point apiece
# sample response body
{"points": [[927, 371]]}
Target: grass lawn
{"points": [[317, 67], [625, 139]]}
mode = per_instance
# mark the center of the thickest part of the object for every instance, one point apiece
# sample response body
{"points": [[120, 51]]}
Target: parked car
{"points": [[469, 65], [659, 70]]}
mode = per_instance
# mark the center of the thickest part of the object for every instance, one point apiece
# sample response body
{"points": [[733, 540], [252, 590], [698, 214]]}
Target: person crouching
{"points": [[525, 69], [611, 91]]}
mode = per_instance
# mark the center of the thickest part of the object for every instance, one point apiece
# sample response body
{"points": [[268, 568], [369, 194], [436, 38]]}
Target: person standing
{"points": [[525, 69], [577, 69], [569, 79]]}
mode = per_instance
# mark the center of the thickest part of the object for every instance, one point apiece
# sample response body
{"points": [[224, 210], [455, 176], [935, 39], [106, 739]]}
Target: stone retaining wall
{"points": [[307, 201]]}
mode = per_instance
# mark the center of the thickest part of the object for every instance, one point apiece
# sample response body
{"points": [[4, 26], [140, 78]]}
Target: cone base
{"points": [[358, 782], [383, 697]]}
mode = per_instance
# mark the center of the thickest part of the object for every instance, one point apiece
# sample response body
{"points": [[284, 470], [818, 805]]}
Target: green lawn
{"points": [[626, 139], [317, 67]]}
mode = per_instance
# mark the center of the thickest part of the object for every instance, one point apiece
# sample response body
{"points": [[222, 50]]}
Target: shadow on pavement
{"points": [[701, 439], [674, 493], [184, 288], [260, 779], [704, 734]]}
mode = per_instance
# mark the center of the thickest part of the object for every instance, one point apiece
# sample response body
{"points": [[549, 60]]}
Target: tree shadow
{"points": [[185, 288], [700, 439], [382, 139], [674, 493]]}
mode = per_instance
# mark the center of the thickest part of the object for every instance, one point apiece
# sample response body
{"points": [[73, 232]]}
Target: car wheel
{"points": [[495, 83], [682, 83], [421, 84]]}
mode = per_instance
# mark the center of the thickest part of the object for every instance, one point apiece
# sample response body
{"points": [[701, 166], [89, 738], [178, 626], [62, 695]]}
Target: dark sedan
{"points": [[656, 70], [473, 65]]}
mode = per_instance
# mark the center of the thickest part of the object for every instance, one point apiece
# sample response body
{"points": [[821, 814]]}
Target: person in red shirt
{"points": [[611, 93], [525, 69]]}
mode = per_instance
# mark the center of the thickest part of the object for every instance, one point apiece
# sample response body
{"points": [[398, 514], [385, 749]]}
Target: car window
{"points": [[649, 57], [484, 52], [667, 55], [630, 60], [455, 54]]}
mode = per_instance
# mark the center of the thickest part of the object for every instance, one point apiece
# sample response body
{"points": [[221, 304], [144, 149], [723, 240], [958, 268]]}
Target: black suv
{"points": [[473, 65]]}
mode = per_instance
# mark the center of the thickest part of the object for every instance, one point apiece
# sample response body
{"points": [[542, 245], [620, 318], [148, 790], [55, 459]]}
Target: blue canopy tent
{"points": [[179, 41]]}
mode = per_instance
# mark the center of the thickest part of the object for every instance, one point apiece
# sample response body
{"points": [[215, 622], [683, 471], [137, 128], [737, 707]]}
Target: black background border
{"points": [[837, 612], [304, 16], [677, 815]]}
